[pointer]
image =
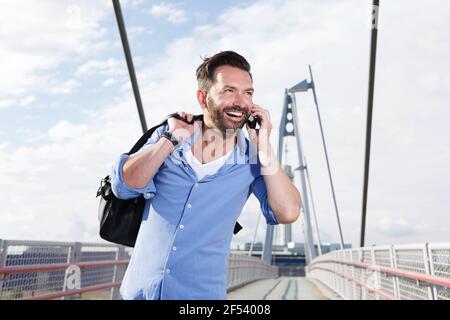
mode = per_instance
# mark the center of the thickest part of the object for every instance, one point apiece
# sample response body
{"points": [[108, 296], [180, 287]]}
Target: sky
{"points": [[67, 109]]}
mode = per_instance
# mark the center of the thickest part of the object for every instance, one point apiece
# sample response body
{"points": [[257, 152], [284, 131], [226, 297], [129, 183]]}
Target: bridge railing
{"points": [[243, 269], [67, 270], [411, 272], [73, 270]]}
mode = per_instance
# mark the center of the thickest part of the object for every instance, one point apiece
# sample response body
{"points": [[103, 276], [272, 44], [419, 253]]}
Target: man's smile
{"points": [[235, 116]]}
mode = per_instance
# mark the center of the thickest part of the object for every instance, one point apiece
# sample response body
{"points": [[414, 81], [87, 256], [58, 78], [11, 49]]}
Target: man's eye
{"points": [[228, 90], [250, 93]]}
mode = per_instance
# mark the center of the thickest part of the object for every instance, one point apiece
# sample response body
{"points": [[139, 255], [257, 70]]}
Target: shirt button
{"points": [[189, 205], [181, 226], [147, 194], [167, 270], [174, 248]]}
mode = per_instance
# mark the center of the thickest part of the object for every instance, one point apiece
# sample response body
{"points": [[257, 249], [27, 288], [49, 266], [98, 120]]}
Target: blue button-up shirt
{"points": [[184, 240]]}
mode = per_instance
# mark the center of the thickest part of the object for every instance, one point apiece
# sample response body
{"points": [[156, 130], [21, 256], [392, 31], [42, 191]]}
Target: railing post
{"points": [[351, 293], [362, 274], [354, 273], [115, 291], [340, 269], [3, 257], [3, 252], [397, 280], [429, 267], [73, 256], [376, 273], [393, 264], [345, 282]]}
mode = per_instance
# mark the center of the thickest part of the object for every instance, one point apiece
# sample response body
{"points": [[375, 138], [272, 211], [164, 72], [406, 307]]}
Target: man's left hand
{"points": [[262, 134], [260, 137]]}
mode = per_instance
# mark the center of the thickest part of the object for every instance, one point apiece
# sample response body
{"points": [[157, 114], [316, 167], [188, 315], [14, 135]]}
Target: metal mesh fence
{"points": [[408, 272], [29, 284], [66, 270], [243, 269], [414, 259], [60, 270], [383, 257], [440, 266]]}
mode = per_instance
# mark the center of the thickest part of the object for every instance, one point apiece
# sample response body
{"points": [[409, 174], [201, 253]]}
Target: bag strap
{"points": [[140, 143]]}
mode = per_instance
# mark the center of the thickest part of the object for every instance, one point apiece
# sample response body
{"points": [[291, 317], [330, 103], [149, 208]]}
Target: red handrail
{"points": [[445, 282], [59, 266], [379, 292], [68, 293]]}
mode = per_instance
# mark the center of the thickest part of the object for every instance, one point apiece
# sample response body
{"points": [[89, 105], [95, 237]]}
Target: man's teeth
{"points": [[235, 113]]}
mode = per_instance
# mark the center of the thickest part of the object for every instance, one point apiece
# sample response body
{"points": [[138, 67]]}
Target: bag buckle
{"points": [[102, 186]]}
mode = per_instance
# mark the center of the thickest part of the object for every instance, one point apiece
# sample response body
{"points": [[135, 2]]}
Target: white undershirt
{"points": [[206, 169]]}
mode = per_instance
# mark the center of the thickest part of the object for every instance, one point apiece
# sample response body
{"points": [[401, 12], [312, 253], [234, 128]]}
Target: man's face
{"points": [[229, 100]]}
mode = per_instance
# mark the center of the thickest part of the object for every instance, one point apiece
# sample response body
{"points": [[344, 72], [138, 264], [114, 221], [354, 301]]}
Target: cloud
{"points": [[136, 31], [61, 176], [47, 35], [22, 102], [397, 227], [66, 87], [65, 130], [106, 67], [132, 3], [6, 103], [109, 82], [112, 69], [27, 101], [168, 11]]}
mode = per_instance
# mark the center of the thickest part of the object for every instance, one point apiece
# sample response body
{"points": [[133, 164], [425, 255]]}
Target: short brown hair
{"points": [[205, 71]]}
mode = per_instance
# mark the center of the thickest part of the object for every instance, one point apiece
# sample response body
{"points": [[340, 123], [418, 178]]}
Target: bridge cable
{"points": [[319, 247], [126, 49], [373, 54], [313, 86]]}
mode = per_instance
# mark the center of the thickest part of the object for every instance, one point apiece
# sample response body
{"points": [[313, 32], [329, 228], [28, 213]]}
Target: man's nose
{"points": [[240, 101]]}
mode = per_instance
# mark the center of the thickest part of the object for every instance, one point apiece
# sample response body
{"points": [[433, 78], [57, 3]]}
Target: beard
{"points": [[219, 120]]}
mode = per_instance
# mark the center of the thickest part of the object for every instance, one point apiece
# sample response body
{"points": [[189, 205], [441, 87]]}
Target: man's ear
{"points": [[201, 97]]}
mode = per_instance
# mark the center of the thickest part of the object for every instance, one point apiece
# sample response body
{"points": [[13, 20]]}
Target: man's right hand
{"points": [[181, 129]]}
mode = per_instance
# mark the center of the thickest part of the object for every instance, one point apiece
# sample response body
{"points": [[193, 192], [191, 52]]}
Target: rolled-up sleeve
{"points": [[118, 185], [258, 188]]}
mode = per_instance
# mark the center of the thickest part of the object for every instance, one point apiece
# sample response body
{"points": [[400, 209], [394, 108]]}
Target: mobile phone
{"points": [[252, 122]]}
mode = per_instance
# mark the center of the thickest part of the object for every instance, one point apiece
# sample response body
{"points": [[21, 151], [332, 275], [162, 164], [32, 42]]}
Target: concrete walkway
{"points": [[282, 288]]}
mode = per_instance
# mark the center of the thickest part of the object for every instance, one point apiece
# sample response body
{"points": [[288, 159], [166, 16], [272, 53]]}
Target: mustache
{"points": [[243, 110]]}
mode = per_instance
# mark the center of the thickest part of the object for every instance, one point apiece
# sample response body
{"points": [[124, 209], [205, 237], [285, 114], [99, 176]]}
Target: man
{"points": [[196, 179]]}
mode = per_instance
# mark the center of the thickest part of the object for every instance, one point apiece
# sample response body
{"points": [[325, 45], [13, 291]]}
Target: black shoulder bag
{"points": [[120, 219]]}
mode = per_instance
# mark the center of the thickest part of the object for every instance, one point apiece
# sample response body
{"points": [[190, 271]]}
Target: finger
{"points": [[264, 121], [189, 117], [258, 108], [182, 114], [262, 111], [259, 114]]}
